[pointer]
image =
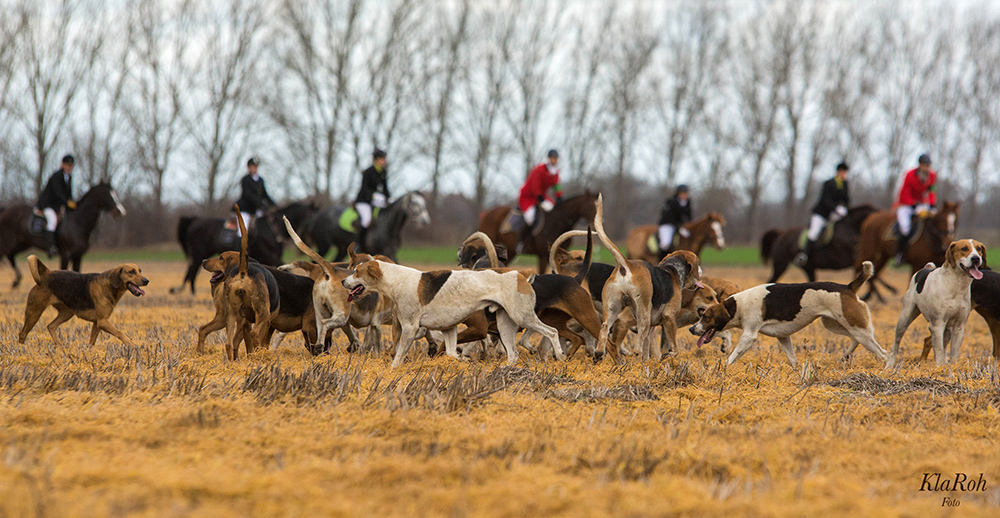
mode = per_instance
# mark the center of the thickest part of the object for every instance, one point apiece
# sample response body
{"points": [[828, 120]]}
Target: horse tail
{"points": [[767, 244], [319, 259], [586, 258], [491, 250], [599, 224], [244, 240], [866, 273], [37, 269], [559, 241], [182, 227]]}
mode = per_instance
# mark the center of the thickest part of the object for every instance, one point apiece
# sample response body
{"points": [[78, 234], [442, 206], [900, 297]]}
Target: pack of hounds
{"points": [[581, 304]]}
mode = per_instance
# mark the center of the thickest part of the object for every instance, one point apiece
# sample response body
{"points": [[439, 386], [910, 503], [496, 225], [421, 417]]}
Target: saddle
{"points": [[824, 237], [514, 222], [348, 220], [653, 243], [36, 222], [916, 228]]}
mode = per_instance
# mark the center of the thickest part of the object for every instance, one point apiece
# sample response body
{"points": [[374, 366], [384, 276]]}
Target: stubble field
{"points": [[158, 430]]}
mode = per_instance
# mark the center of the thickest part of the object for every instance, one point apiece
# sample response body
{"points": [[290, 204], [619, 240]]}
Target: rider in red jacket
{"points": [[534, 192], [917, 195]]}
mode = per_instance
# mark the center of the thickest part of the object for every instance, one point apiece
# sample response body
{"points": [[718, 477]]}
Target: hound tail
{"points": [[558, 243], [37, 269], [599, 224], [319, 259], [491, 250], [582, 274], [866, 273], [244, 242]]}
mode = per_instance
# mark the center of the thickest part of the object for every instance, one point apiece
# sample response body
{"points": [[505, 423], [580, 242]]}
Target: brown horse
{"points": [[878, 245], [703, 231], [566, 213]]}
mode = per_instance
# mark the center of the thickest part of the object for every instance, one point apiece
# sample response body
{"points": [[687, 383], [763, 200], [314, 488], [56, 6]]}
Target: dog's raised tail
{"points": [[866, 273], [599, 225], [320, 260], [558, 243], [491, 250], [582, 274], [244, 242], [37, 269]]}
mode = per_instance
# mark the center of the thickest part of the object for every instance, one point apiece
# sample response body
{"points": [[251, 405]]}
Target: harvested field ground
{"points": [[157, 430]]}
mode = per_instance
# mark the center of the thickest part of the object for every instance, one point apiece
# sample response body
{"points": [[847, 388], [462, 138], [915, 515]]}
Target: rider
{"points": [[374, 193], [253, 195], [534, 192], [917, 195], [675, 213], [832, 206], [57, 192]]}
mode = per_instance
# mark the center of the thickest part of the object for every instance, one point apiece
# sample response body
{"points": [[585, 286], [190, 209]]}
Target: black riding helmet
{"points": [[553, 153], [378, 153], [682, 188], [253, 161], [68, 159]]}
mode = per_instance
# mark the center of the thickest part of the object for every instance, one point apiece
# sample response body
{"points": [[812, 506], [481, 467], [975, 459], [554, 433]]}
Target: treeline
{"points": [[751, 104]]}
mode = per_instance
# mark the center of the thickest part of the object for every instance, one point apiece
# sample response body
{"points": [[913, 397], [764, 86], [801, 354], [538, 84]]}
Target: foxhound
{"points": [[780, 310], [442, 299], [942, 296]]}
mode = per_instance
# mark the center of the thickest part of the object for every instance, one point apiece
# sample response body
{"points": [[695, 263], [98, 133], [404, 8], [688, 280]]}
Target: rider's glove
{"points": [[547, 205], [923, 210], [841, 210], [684, 232], [71, 204]]}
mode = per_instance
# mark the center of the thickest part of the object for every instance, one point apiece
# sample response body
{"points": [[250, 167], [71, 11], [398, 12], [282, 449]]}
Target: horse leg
{"points": [[810, 273], [63, 261], [76, 262], [17, 271], [341, 254], [779, 265]]}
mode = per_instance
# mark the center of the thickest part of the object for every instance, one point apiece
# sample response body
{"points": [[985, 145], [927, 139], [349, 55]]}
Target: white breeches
{"points": [[245, 216], [666, 235], [816, 224], [529, 215], [364, 213], [51, 219], [903, 215]]}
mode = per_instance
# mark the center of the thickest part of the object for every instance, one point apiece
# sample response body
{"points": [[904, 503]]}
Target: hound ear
{"points": [[730, 307], [116, 278], [949, 256], [350, 251], [981, 248]]}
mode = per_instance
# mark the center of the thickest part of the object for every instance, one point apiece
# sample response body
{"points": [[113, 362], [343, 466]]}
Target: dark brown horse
{"points": [[703, 231], [72, 234], [780, 246], [563, 217], [878, 244]]}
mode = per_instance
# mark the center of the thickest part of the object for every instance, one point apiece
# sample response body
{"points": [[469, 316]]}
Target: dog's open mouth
{"points": [[137, 291], [707, 337], [972, 271], [355, 293], [216, 277]]}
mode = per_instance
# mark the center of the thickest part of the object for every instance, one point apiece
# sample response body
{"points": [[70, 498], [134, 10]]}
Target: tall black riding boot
{"points": [[802, 258], [901, 245], [51, 237]]}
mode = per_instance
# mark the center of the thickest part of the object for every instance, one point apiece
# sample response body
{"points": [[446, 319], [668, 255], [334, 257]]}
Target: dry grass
{"points": [[157, 430]]}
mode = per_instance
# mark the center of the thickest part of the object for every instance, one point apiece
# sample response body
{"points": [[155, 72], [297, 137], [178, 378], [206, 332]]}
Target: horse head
{"points": [[946, 220], [415, 206], [716, 222], [103, 198]]}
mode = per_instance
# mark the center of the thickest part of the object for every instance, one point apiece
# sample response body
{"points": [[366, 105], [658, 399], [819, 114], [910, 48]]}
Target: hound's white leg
{"points": [[451, 342], [957, 335], [786, 345], [407, 332], [906, 317], [508, 335], [937, 341], [746, 342]]}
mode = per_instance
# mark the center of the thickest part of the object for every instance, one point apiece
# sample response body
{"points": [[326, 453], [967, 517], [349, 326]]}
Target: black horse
{"points": [[204, 237], [780, 246], [72, 234], [384, 236]]}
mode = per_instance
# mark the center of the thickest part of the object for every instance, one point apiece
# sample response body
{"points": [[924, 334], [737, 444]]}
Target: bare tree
{"points": [[12, 24], [313, 88], [980, 82], [159, 82], [222, 117], [56, 53], [438, 68]]}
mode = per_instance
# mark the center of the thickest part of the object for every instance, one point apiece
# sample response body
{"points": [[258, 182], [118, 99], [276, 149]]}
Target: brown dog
{"points": [[295, 309], [652, 292], [252, 296], [88, 296]]}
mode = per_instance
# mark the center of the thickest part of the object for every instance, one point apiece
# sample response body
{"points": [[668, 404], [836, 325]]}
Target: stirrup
{"points": [[800, 259]]}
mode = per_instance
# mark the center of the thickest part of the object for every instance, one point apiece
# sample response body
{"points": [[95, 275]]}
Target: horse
{"points": [[384, 236], [702, 231], [878, 243], [563, 217], [780, 246], [72, 234], [203, 237]]}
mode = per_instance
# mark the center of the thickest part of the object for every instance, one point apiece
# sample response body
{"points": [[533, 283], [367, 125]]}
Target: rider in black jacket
{"points": [[57, 193], [676, 212], [253, 195], [833, 201], [374, 193]]}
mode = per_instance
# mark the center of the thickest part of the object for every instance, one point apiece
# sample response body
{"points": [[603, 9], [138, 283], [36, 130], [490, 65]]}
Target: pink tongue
{"points": [[699, 284], [975, 273], [705, 337]]}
